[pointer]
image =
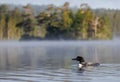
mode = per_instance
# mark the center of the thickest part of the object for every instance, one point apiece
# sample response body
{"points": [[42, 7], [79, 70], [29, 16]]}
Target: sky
{"points": [[109, 4]]}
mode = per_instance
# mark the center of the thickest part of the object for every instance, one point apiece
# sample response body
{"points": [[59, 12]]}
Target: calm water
{"points": [[50, 61]]}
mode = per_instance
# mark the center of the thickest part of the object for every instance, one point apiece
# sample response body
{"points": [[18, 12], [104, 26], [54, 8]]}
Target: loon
{"points": [[82, 62]]}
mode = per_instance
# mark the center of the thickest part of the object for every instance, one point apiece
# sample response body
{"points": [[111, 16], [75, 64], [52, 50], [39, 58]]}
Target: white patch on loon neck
{"points": [[80, 65]]}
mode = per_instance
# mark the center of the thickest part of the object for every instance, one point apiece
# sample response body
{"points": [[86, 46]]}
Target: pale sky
{"points": [[112, 4]]}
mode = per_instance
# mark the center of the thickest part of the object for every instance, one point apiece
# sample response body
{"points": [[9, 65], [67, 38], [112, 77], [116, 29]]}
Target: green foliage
{"points": [[67, 20], [104, 28], [54, 23], [81, 23]]}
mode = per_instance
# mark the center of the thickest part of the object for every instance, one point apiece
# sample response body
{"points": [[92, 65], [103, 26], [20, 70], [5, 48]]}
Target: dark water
{"points": [[50, 61]]}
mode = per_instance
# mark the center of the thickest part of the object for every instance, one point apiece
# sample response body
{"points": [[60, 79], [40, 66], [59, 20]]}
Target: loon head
{"points": [[79, 58], [81, 61]]}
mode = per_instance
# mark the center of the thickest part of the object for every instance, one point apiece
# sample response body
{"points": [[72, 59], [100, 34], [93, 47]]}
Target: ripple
{"points": [[105, 72]]}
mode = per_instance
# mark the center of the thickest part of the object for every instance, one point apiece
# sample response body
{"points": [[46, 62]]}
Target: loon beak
{"points": [[74, 59]]}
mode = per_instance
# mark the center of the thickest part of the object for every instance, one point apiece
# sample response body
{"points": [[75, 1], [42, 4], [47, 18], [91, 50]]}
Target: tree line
{"points": [[57, 23]]}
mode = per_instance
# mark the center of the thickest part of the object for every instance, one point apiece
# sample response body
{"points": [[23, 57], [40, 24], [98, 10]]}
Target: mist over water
{"points": [[50, 61], [38, 53]]}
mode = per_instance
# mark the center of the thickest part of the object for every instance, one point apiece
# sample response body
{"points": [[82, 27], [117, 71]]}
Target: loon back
{"points": [[93, 64], [89, 64]]}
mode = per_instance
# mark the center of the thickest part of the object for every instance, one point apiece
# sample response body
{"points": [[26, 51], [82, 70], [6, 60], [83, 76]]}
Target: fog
{"points": [[34, 54]]}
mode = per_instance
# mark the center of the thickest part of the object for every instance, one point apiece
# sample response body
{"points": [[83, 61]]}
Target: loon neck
{"points": [[80, 65]]}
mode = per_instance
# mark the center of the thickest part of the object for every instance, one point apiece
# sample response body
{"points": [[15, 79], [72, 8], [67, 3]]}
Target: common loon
{"points": [[82, 62]]}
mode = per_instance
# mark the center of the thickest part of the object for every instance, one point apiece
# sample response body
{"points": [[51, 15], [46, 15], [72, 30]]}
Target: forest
{"points": [[49, 22]]}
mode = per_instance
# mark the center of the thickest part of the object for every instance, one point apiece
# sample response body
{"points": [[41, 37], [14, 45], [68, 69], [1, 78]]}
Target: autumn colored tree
{"points": [[57, 23]]}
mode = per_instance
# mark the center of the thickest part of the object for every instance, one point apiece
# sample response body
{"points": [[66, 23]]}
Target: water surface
{"points": [[50, 61]]}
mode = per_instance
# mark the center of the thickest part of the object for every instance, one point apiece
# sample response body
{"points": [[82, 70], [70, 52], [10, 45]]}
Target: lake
{"points": [[50, 61]]}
